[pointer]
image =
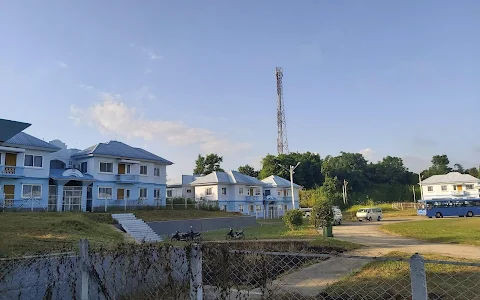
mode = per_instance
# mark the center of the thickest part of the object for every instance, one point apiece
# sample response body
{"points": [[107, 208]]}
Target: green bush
{"points": [[322, 213], [293, 218]]}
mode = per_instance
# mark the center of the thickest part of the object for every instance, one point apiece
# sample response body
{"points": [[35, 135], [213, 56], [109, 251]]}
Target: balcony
{"points": [[128, 178], [11, 171], [459, 193], [252, 198]]}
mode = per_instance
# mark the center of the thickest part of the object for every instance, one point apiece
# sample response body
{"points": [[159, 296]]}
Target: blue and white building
{"points": [[37, 175], [235, 192]]}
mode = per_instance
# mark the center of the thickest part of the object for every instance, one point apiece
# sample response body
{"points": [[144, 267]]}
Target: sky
{"points": [[182, 78]]}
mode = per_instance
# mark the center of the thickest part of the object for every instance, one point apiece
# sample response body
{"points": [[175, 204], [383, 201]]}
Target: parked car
{"points": [[337, 216], [369, 214]]}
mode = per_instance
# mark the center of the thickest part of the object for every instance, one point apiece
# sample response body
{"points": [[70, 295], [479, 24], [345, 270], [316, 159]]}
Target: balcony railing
{"points": [[459, 193], [11, 171], [253, 198], [128, 178]]}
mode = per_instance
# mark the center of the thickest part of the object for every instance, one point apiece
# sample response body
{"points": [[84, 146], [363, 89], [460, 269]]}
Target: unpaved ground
{"points": [[378, 243]]}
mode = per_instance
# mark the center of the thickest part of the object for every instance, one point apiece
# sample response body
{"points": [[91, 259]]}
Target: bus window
{"points": [[429, 206]]}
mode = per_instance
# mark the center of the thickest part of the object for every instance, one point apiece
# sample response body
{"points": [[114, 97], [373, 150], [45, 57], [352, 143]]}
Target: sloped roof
{"points": [[185, 180], [452, 177], [119, 149], [230, 177], [277, 181], [9, 129], [25, 140]]}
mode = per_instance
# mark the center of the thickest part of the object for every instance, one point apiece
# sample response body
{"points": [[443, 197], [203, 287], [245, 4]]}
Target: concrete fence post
{"points": [[84, 262], [418, 278], [196, 280]]}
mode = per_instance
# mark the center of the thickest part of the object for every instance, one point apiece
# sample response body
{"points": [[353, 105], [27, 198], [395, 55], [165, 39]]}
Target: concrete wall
{"points": [[169, 227]]}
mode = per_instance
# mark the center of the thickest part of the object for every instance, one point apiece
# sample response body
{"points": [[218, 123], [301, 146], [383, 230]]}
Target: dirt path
{"points": [[378, 243]]}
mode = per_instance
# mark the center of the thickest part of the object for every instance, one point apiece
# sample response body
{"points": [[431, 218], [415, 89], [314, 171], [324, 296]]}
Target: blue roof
{"points": [[58, 174], [119, 149], [25, 140], [10, 128]]}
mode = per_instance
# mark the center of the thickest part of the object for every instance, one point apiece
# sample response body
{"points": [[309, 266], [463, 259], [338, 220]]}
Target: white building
{"points": [[236, 192], [181, 188], [451, 185]]}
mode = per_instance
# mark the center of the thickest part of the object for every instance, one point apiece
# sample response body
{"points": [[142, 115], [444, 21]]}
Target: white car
{"points": [[369, 214], [337, 216]]}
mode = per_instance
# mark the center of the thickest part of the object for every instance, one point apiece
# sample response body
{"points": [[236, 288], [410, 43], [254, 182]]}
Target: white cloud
{"points": [[147, 71], [112, 116], [85, 86], [147, 51], [61, 64], [368, 153]]}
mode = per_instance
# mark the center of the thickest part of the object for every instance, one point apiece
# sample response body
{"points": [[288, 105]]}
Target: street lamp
{"points": [[291, 170], [420, 183]]}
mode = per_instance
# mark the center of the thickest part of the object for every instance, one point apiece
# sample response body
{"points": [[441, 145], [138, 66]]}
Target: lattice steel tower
{"points": [[282, 142]]}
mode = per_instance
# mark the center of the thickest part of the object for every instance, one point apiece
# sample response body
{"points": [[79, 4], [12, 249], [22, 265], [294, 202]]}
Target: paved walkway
{"points": [[379, 243]]}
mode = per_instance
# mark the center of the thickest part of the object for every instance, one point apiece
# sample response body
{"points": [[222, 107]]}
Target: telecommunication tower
{"points": [[282, 142]]}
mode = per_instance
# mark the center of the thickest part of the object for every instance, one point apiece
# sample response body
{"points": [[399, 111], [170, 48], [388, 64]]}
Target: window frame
{"points": [[100, 167], [106, 188], [240, 191], [430, 188], [444, 188], [241, 207], [156, 172], [33, 161], [157, 192], [170, 192], [140, 193], [223, 191], [31, 191], [146, 170], [189, 191], [207, 191], [467, 186], [82, 164]]}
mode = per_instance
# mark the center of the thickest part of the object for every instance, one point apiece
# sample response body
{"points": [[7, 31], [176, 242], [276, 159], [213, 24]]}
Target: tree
{"points": [[205, 165], [458, 168], [248, 170], [473, 171], [439, 166], [350, 166], [308, 173]]}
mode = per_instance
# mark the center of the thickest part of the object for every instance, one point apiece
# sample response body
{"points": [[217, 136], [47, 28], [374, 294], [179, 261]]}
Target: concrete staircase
{"points": [[137, 228]]}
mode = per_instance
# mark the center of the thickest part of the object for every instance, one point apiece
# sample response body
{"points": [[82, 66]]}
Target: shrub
{"points": [[293, 218], [322, 213]]}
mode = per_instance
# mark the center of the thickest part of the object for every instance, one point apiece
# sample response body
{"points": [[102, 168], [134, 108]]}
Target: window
{"points": [[240, 191], [83, 167], [208, 191], [240, 207], [143, 170], [156, 172], [430, 188], [35, 161], [106, 167], [189, 191], [279, 207], [143, 193], [469, 186], [105, 193], [258, 207], [444, 187], [279, 193], [223, 207], [257, 192], [156, 193], [128, 194], [31, 191], [285, 206], [267, 193], [454, 187], [250, 207], [169, 193], [224, 191], [127, 169]]}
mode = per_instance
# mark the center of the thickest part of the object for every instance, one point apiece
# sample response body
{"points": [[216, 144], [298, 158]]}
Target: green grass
{"points": [[388, 211], [448, 230], [391, 280], [180, 214], [30, 233]]}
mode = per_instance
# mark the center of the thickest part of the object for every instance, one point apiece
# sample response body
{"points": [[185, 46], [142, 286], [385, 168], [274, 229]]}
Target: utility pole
{"points": [[420, 183], [413, 190], [291, 170], [344, 191]]}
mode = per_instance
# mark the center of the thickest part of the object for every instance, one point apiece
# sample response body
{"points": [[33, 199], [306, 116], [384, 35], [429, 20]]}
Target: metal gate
{"points": [[52, 198], [72, 198]]}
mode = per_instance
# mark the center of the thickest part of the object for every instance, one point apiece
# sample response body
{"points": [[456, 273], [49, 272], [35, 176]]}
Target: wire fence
{"points": [[232, 271]]}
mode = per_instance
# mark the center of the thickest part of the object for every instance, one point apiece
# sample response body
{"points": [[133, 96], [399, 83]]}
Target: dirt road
{"points": [[378, 243]]}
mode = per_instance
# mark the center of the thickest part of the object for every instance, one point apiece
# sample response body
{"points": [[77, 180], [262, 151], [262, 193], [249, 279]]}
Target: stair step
{"points": [[137, 228]]}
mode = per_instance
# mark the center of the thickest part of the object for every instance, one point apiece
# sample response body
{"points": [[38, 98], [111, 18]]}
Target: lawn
{"points": [[388, 211], [276, 230], [29, 233], [391, 280], [447, 230]]}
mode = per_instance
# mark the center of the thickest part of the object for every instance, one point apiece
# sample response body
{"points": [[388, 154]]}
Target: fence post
{"points": [[418, 278], [84, 259], [196, 281]]}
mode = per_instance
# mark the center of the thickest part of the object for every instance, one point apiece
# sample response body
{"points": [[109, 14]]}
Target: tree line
{"points": [[387, 180]]}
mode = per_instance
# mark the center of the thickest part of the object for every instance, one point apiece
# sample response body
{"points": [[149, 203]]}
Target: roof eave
{"points": [[165, 162], [31, 147]]}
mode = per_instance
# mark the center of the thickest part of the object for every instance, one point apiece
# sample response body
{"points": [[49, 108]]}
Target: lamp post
{"points": [[420, 183], [291, 170]]}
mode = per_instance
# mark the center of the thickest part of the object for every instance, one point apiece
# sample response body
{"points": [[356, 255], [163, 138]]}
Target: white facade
{"points": [[451, 185]]}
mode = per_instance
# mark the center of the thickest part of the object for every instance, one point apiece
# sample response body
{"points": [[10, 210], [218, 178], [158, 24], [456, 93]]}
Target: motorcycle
{"points": [[194, 236], [236, 235], [180, 236]]}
